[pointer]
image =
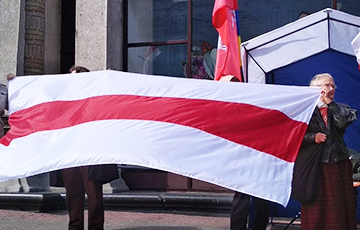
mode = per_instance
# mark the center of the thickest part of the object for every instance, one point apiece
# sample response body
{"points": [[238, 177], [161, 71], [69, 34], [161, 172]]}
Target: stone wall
{"points": [[10, 34]]}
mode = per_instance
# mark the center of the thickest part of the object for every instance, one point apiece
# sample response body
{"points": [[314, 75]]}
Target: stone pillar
{"points": [[116, 186], [11, 37], [11, 186], [52, 44], [90, 35], [98, 39], [34, 37], [114, 36]]}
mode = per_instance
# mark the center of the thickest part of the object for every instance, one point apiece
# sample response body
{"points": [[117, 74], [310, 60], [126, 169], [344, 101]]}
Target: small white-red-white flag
{"points": [[243, 137], [356, 46]]}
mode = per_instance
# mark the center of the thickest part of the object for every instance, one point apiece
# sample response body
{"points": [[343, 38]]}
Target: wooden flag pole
{"points": [[334, 4]]}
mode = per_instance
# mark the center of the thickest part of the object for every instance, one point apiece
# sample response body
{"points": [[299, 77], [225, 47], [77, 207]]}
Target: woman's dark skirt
{"points": [[334, 208]]}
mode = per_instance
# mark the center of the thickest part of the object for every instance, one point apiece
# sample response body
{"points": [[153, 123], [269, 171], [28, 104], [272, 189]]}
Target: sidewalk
{"points": [[121, 220], [126, 211]]}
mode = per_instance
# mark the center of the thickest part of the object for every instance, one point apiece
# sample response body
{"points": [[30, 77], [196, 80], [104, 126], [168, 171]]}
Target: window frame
{"points": [[187, 41]]}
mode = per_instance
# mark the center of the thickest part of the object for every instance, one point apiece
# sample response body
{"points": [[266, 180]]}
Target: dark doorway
{"points": [[68, 12]]}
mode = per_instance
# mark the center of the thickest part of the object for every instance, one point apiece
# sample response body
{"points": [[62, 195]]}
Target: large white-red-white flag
{"points": [[244, 137]]}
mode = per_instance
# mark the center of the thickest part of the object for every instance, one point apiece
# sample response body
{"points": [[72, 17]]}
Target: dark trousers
{"points": [[77, 183], [240, 210]]}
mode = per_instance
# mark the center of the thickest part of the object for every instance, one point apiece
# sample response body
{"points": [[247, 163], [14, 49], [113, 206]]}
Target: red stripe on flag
{"points": [[269, 131]]}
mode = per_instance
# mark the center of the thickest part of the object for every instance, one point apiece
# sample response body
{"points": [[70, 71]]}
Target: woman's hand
{"points": [[10, 76], [320, 137]]}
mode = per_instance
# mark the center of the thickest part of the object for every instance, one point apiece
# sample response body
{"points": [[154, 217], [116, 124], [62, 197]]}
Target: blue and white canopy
{"points": [[313, 34]]}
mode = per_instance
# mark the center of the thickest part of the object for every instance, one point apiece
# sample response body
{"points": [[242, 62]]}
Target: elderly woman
{"points": [[325, 190]]}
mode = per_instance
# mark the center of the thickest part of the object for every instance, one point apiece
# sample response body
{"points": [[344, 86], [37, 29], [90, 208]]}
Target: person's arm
{"points": [[309, 138], [343, 115], [356, 176], [9, 77], [312, 137]]}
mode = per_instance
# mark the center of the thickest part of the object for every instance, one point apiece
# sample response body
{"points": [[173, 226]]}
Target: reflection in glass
{"points": [[165, 60], [157, 20]]}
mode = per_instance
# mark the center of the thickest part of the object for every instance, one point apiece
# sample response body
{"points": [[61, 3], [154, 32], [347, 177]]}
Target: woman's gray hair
{"points": [[318, 77]]}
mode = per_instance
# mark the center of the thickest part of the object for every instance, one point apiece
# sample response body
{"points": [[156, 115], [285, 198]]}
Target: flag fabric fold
{"points": [[243, 137], [224, 19]]}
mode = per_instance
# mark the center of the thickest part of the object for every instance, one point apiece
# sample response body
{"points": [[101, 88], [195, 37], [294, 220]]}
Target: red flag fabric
{"points": [[228, 53]]}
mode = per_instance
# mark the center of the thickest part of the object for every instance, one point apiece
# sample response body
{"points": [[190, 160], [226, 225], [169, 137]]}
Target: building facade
{"points": [[158, 37]]}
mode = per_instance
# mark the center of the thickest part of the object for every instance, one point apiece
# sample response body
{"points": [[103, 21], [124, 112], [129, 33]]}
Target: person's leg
{"points": [[75, 197], [94, 201], [261, 213], [239, 211]]}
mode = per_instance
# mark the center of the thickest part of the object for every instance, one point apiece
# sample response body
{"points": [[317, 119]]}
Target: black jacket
{"points": [[307, 168]]}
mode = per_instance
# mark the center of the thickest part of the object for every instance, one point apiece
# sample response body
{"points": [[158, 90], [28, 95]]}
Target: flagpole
{"points": [[239, 42], [334, 4], [189, 56], [189, 40]]}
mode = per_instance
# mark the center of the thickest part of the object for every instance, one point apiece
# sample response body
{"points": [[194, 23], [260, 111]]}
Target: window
{"points": [[163, 36]]}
